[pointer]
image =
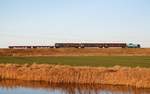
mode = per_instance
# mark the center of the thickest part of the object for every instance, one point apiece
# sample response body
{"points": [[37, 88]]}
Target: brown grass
{"points": [[138, 77], [76, 52]]}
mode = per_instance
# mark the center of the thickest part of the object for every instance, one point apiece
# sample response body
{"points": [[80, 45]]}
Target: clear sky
{"points": [[44, 22]]}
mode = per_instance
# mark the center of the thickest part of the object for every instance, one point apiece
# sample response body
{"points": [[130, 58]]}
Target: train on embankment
{"points": [[81, 45]]}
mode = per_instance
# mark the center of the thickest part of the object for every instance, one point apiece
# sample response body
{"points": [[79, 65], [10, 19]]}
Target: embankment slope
{"points": [[76, 52]]}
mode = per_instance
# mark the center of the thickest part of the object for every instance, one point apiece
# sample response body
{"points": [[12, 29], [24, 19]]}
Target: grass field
{"points": [[107, 61]]}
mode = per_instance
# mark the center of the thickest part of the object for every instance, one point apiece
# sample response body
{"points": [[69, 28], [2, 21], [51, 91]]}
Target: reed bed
{"points": [[138, 77]]}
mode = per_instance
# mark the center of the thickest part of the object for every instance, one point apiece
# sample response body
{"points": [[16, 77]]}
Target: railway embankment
{"points": [[77, 52], [138, 77]]}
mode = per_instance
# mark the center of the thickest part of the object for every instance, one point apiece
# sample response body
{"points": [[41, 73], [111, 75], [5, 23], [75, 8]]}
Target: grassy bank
{"points": [[76, 52], [107, 61]]}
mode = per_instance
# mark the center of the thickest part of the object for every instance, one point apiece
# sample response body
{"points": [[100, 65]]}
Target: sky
{"points": [[45, 22]]}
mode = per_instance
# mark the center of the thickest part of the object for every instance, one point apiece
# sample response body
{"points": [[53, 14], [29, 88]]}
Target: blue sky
{"points": [[44, 22]]}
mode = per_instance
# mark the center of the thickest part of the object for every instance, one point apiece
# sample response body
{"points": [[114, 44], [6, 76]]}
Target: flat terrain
{"points": [[107, 61], [36, 65]]}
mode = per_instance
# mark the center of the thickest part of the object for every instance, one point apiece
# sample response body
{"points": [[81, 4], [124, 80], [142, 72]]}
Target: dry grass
{"points": [[139, 77], [76, 52]]}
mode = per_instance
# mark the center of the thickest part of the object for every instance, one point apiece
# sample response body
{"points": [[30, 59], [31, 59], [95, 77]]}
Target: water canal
{"points": [[28, 87]]}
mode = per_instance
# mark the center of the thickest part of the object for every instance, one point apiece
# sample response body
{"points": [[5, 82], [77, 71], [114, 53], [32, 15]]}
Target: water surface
{"points": [[28, 87]]}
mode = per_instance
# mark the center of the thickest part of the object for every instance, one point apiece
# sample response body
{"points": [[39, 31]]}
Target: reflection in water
{"points": [[27, 87]]}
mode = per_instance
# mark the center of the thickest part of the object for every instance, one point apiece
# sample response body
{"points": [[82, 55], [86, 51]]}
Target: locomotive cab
{"points": [[131, 45]]}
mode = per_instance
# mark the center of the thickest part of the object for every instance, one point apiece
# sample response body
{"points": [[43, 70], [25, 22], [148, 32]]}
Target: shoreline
{"points": [[137, 77]]}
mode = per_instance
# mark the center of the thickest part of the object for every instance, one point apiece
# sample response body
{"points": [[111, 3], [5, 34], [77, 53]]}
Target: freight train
{"points": [[81, 45]]}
